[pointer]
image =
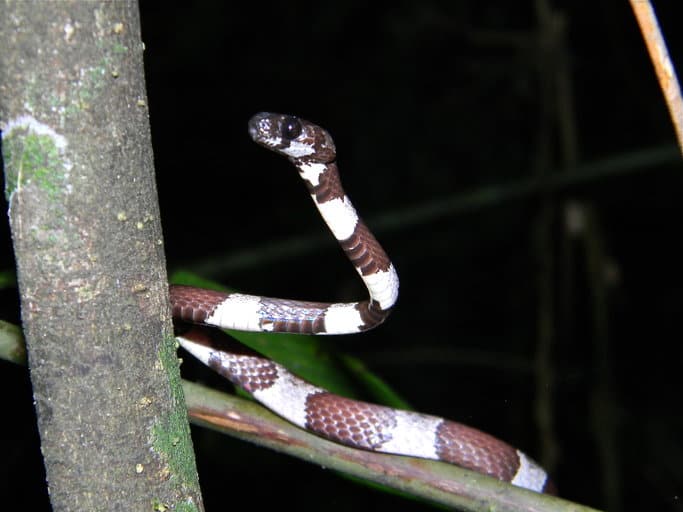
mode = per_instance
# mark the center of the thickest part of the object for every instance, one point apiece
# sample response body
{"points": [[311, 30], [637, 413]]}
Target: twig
{"points": [[664, 69]]}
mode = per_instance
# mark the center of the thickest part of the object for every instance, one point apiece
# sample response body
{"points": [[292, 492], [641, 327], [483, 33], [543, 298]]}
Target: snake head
{"points": [[295, 138]]}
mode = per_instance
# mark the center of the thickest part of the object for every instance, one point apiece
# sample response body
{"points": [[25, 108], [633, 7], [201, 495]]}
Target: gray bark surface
{"points": [[90, 265]]}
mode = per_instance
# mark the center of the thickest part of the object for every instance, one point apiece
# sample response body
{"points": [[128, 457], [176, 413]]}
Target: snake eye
{"points": [[291, 128]]}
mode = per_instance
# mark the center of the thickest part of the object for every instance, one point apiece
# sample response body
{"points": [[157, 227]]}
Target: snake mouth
{"points": [[293, 137], [266, 129]]}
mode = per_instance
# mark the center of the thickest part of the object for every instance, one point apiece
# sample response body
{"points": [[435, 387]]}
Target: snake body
{"points": [[359, 424]]}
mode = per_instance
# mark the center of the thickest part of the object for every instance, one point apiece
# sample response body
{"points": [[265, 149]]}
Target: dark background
{"points": [[430, 103]]}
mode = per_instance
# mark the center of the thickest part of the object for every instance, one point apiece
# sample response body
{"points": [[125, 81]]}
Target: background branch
{"points": [[664, 68]]}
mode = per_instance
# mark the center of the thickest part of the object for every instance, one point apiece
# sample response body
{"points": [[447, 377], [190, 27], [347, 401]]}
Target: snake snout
{"points": [[259, 126]]}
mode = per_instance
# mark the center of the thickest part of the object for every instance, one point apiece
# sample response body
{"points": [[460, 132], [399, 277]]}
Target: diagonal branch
{"points": [[429, 480], [664, 69]]}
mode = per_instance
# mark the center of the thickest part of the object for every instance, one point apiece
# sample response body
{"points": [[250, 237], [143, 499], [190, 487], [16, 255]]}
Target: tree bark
{"points": [[90, 265]]}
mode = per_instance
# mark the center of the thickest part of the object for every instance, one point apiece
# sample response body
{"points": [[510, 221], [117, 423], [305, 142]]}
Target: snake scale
{"points": [[358, 424]]}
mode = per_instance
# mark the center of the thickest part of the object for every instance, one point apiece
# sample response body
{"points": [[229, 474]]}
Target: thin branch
{"points": [[604, 403], [664, 69], [551, 71]]}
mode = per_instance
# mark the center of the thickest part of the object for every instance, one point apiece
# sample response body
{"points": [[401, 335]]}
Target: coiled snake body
{"points": [[358, 424]]}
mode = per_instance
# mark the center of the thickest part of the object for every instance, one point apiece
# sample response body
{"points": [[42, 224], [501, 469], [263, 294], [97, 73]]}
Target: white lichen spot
{"points": [[118, 28], [69, 30], [26, 125], [139, 468], [140, 225], [31, 125], [121, 216]]}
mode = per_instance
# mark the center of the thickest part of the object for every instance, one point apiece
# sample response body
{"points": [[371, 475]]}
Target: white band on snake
{"points": [[358, 424]]}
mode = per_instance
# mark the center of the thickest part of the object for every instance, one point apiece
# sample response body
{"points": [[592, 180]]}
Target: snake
{"points": [[200, 313]]}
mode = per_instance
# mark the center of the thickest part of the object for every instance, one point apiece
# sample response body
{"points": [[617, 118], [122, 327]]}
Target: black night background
{"points": [[520, 169]]}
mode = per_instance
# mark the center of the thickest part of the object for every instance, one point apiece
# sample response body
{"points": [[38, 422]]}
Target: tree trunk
{"points": [[88, 245]]}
